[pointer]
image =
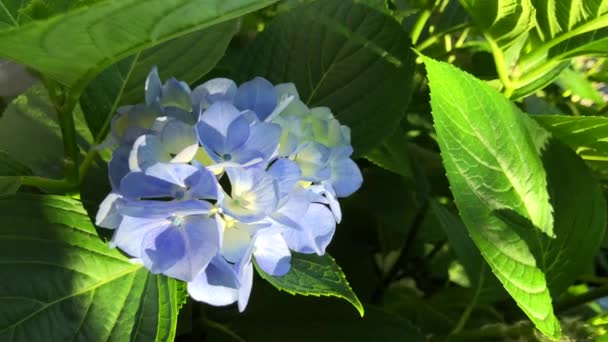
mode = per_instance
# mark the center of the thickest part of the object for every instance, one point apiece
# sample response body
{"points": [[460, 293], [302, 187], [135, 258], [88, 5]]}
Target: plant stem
{"points": [[469, 309], [436, 37], [47, 183], [572, 302], [501, 67], [419, 25], [223, 329], [68, 133], [403, 253]]}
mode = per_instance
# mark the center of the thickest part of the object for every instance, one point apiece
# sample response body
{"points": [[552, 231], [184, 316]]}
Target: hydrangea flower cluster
{"points": [[206, 180]]}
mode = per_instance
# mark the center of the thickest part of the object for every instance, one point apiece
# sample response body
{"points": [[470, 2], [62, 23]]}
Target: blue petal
{"points": [[219, 116], [246, 282], [147, 151], [258, 95], [217, 285], [214, 90], [153, 87], [264, 138], [131, 122], [118, 167], [176, 94], [287, 174], [130, 234], [316, 229], [272, 254], [178, 174], [327, 196], [346, 177], [206, 185], [162, 249], [200, 238], [293, 208], [254, 194], [108, 215], [238, 133], [162, 209]]}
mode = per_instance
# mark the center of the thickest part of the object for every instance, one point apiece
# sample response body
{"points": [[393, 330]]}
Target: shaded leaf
{"points": [[313, 275], [66, 284], [392, 155], [350, 58]]}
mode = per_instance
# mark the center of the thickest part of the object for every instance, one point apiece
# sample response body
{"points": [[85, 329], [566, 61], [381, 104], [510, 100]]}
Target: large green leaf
{"points": [[573, 26], [187, 58], [313, 275], [30, 133], [63, 283], [350, 58], [502, 21], [493, 167], [587, 135], [74, 46]]}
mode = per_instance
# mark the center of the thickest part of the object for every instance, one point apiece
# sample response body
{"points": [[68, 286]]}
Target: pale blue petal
{"points": [[108, 215], [206, 186], [162, 249], [316, 229], [258, 95], [176, 94], [346, 177], [238, 133], [131, 122], [287, 174], [139, 185], [327, 196], [130, 234], [147, 151], [217, 285], [272, 253], [212, 141], [180, 140], [254, 194], [264, 138], [214, 90], [235, 243], [153, 86], [293, 208], [164, 209], [178, 174], [246, 283], [200, 236], [219, 116], [313, 159]]}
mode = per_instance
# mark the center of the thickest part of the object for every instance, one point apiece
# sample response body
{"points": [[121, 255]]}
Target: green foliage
{"points": [[392, 155], [78, 44], [75, 287], [350, 58], [313, 275], [186, 58]]}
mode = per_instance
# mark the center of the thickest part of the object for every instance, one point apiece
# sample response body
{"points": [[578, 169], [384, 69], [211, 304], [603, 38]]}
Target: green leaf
{"points": [[66, 284], [577, 84], [502, 21], [30, 133], [10, 174], [187, 58], [392, 155], [493, 166], [587, 135], [349, 58], [79, 44], [313, 275], [580, 218]]}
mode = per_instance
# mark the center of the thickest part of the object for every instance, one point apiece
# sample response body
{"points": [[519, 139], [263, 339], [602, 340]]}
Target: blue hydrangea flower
{"points": [[206, 181]]}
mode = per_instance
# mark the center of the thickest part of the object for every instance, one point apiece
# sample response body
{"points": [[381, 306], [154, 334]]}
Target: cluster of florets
{"points": [[206, 180]]}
